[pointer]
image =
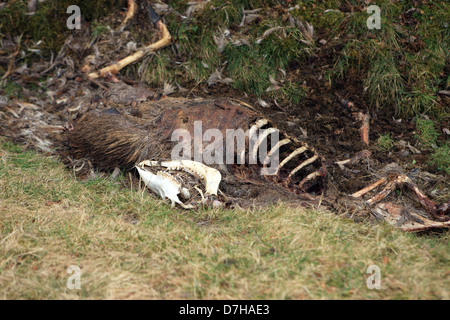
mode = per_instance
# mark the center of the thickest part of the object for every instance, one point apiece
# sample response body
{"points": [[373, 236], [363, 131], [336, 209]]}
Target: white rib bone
{"points": [[274, 149], [258, 125], [309, 177], [251, 133], [252, 136], [260, 140], [304, 164], [289, 157]]}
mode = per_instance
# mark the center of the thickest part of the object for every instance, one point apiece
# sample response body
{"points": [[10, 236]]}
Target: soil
{"points": [[325, 119]]}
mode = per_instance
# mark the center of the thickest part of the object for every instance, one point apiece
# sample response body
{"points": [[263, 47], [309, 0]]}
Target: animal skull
{"points": [[168, 183]]}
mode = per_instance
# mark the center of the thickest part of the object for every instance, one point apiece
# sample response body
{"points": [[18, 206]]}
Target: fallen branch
{"points": [[111, 70], [132, 8], [355, 159], [364, 129], [369, 188], [440, 212]]}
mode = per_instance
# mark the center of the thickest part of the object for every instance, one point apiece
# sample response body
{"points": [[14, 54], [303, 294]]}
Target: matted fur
{"points": [[123, 139], [113, 140], [145, 132]]}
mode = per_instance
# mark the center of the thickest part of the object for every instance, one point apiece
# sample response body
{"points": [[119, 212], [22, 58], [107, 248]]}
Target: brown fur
{"points": [[121, 140], [144, 132], [110, 140]]}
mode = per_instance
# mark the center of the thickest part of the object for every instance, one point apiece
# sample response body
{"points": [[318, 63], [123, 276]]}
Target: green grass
{"points": [[441, 158], [403, 63], [98, 29], [250, 66], [400, 67], [384, 81], [427, 137], [128, 244], [385, 142], [427, 134], [49, 22]]}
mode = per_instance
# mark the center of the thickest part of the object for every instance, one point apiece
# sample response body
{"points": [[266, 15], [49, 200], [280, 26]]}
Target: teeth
{"points": [[167, 176], [148, 163], [304, 164], [210, 176]]}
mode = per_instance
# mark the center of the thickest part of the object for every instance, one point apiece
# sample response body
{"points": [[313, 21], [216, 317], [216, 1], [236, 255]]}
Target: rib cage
{"points": [[300, 168], [110, 139]]}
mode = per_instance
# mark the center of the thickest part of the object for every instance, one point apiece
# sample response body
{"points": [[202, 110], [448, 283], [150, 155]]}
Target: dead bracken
{"points": [[114, 123]]}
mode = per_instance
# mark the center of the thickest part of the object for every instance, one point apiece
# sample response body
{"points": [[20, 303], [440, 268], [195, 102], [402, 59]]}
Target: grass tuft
{"points": [[441, 158], [49, 22], [427, 134], [130, 245], [385, 142]]}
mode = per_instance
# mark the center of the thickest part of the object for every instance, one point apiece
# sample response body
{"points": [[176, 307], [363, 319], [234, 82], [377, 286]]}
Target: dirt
{"points": [[325, 119], [327, 115]]}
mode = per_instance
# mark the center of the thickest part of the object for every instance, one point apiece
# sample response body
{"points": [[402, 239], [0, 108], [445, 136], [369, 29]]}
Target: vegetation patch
{"points": [[43, 26], [427, 134], [441, 158], [385, 142], [130, 245]]}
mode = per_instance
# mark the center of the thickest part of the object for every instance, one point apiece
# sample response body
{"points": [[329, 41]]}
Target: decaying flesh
{"points": [[109, 139]]}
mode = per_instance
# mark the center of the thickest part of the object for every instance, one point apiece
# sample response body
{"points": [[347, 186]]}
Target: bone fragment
{"points": [[112, 69]]}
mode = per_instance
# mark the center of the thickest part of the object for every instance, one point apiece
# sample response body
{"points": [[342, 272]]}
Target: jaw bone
{"points": [[166, 186]]}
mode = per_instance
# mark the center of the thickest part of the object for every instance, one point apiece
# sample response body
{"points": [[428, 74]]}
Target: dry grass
{"points": [[130, 245]]}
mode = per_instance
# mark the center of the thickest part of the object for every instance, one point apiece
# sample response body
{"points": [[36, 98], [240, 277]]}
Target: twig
{"points": [[369, 188], [132, 8], [364, 129], [111, 70]]}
